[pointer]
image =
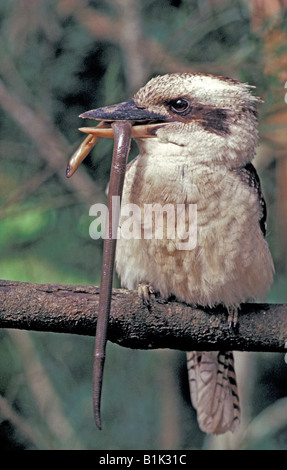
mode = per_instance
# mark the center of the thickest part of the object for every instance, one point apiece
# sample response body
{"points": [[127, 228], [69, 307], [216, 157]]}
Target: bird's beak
{"points": [[145, 124], [144, 121]]}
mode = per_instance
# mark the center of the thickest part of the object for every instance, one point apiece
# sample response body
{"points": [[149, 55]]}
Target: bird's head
{"points": [[210, 119]]}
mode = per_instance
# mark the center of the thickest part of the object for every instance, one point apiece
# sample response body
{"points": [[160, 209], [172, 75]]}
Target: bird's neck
{"points": [[216, 153]]}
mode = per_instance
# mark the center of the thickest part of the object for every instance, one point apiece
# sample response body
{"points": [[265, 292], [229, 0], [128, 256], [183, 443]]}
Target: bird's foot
{"points": [[144, 291], [232, 317]]}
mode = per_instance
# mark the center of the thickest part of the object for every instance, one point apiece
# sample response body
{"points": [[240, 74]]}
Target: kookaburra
{"points": [[197, 135]]}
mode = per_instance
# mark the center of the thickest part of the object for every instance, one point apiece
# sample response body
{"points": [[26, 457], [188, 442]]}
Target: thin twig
{"points": [[51, 145]]}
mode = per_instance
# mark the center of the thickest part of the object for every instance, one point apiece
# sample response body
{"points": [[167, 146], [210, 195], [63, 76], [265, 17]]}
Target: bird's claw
{"points": [[144, 291], [232, 317]]}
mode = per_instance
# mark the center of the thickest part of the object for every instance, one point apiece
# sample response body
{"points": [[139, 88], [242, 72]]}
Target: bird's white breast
{"points": [[230, 263]]}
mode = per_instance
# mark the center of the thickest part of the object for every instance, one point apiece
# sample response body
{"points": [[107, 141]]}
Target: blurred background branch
{"points": [[60, 58]]}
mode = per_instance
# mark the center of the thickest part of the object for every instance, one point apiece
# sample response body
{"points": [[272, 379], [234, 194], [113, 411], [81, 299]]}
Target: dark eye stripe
{"points": [[212, 119]]}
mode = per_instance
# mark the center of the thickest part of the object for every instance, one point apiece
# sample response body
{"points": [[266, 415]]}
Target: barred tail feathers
{"points": [[213, 390]]}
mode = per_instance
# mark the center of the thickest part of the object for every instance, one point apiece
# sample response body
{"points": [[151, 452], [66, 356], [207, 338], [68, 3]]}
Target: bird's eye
{"points": [[179, 105]]}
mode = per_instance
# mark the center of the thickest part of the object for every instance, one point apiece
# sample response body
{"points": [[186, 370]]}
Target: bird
{"points": [[197, 135]]}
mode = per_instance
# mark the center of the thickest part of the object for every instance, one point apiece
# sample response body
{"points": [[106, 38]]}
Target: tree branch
{"points": [[73, 309]]}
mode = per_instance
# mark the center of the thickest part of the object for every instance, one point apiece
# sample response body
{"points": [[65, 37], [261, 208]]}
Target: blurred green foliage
{"points": [[58, 59]]}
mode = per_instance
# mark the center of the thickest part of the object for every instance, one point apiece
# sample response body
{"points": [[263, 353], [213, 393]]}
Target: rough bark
{"points": [[168, 324]]}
